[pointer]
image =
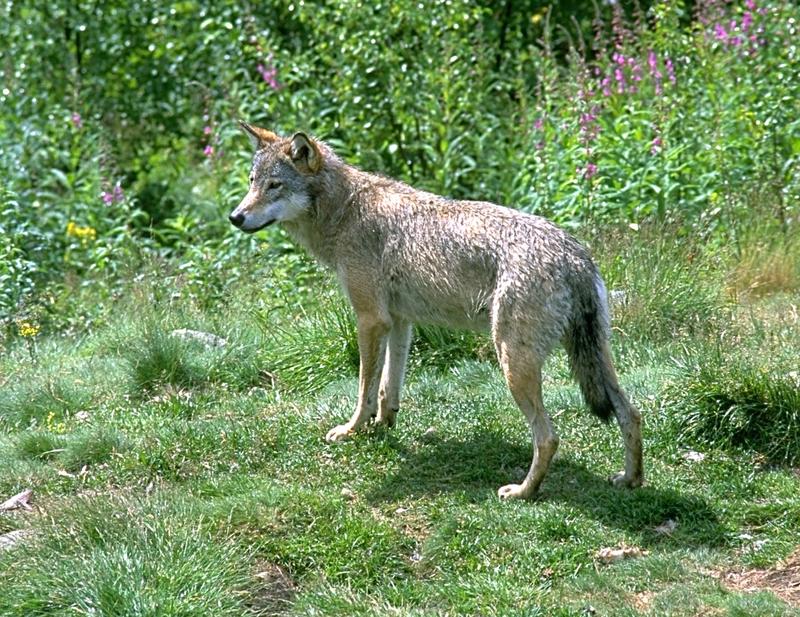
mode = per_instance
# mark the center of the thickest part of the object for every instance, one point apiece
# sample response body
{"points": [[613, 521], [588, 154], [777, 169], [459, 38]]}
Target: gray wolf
{"points": [[406, 256]]}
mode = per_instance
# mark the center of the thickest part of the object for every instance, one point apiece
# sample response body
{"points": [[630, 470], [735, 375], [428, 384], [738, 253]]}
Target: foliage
{"points": [[620, 116]]}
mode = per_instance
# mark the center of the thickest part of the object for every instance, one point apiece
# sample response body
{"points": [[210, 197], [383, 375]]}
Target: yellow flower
{"points": [[27, 329], [84, 234], [537, 17]]}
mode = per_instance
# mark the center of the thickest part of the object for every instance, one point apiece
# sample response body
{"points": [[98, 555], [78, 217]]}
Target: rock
{"points": [[12, 538], [206, 338], [666, 528], [20, 500], [612, 555]]}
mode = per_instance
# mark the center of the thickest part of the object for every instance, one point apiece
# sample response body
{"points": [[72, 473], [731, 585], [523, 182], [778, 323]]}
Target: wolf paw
{"points": [[621, 480], [512, 491], [339, 433]]}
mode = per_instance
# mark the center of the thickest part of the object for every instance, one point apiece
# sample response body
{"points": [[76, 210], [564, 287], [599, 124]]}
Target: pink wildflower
{"points": [[606, 86], [670, 70], [208, 151], [620, 77], [269, 74], [76, 120], [589, 171], [655, 146], [207, 130], [652, 61], [113, 196]]}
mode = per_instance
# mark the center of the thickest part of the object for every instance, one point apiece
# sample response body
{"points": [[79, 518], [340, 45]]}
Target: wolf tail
{"points": [[586, 342]]}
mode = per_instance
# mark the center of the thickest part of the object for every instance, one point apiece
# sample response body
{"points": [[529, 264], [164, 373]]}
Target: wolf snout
{"points": [[237, 219]]}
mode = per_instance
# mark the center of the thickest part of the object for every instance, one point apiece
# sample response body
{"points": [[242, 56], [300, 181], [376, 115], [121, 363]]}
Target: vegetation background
{"points": [[177, 477]]}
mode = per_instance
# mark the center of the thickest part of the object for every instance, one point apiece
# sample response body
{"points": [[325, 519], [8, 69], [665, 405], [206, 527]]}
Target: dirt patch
{"points": [[273, 591], [642, 601], [783, 580]]}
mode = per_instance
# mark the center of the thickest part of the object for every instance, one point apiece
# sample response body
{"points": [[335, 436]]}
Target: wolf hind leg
{"points": [[394, 368], [523, 373], [587, 345], [629, 419]]}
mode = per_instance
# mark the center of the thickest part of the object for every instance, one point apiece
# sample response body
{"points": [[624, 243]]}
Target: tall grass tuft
{"points": [[311, 351], [661, 287], [740, 403], [43, 399], [120, 557], [91, 448], [157, 359]]}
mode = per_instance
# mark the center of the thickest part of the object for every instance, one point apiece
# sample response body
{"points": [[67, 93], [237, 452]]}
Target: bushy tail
{"points": [[586, 342]]}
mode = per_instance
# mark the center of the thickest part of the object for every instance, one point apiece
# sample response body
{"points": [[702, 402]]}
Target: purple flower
{"points": [[652, 61], [209, 151], [620, 77], [750, 4], [207, 130], [720, 33], [113, 196], [606, 86], [747, 21], [655, 146], [538, 124], [269, 74], [76, 120], [589, 171], [670, 70]]}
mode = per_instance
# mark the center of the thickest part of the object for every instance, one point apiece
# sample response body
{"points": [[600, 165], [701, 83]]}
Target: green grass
{"points": [[162, 494]]}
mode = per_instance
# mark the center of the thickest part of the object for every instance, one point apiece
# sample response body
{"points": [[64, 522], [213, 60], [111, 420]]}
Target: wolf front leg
{"points": [[373, 333], [394, 368]]}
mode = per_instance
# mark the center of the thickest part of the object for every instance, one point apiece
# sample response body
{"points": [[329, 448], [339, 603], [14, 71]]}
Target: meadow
{"points": [[179, 474]]}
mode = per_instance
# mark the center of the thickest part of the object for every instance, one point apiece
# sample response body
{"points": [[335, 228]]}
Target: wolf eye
{"points": [[252, 177], [274, 184]]}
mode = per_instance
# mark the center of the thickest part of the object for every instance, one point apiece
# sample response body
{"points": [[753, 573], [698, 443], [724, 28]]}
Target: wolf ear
{"points": [[258, 137], [305, 153]]}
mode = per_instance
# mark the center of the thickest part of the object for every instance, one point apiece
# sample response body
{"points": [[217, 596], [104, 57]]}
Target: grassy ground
{"points": [[174, 479]]}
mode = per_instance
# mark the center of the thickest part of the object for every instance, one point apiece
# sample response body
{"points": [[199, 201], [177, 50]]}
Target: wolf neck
{"points": [[335, 204]]}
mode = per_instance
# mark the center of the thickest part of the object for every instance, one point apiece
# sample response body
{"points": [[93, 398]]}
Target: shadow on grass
{"points": [[477, 466]]}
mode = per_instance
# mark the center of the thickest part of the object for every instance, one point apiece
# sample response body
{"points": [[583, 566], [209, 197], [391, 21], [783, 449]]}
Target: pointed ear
{"points": [[258, 137], [305, 153]]}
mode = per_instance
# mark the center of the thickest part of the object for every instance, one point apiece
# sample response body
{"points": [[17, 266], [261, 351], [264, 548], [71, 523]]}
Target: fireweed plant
{"points": [[672, 123]]}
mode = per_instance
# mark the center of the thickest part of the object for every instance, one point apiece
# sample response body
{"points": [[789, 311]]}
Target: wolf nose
{"points": [[236, 219]]}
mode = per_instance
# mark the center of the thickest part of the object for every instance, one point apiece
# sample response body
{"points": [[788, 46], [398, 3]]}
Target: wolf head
{"points": [[279, 179]]}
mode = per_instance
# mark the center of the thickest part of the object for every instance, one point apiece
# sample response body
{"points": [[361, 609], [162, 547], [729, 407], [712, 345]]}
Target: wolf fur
{"points": [[406, 256]]}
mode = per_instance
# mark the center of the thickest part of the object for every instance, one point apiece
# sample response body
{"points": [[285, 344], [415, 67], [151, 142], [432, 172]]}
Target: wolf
{"points": [[407, 256]]}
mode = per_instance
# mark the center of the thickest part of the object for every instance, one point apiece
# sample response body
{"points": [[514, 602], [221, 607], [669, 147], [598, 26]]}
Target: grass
{"points": [[168, 482]]}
